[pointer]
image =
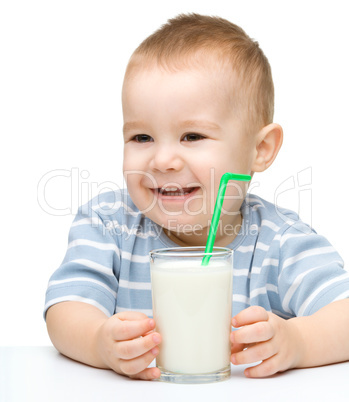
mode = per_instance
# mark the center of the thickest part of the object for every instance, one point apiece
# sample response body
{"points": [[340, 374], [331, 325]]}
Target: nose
{"points": [[166, 158]]}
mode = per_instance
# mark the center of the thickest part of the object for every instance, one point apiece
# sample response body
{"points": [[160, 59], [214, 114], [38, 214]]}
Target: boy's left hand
{"points": [[267, 337]]}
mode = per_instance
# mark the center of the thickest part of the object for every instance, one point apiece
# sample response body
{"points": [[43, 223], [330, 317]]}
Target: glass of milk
{"points": [[192, 307]]}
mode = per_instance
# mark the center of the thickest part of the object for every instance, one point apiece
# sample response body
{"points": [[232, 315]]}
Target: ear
{"points": [[268, 144]]}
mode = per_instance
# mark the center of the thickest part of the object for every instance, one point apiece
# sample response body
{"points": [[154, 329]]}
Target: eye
{"points": [[193, 137], [141, 138]]}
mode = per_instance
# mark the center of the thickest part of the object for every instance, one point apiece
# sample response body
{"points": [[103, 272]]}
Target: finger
{"points": [[151, 373], [149, 332], [250, 316], [135, 366], [127, 330], [253, 354], [237, 347], [258, 332], [137, 347], [131, 316], [265, 369]]}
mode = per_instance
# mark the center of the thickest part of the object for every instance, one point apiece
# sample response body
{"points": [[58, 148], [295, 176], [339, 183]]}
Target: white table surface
{"points": [[42, 374]]}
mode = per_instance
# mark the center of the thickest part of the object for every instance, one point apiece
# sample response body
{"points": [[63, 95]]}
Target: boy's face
{"points": [[181, 135]]}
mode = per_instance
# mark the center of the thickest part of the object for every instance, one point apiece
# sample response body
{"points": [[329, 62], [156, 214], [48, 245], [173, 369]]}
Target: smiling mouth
{"points": [[175, 191]]}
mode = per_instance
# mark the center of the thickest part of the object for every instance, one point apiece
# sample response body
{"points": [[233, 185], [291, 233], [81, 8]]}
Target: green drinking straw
{"points": [[217, 210]]}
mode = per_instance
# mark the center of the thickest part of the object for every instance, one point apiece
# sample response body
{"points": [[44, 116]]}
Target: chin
{"points": [[181, 224]]}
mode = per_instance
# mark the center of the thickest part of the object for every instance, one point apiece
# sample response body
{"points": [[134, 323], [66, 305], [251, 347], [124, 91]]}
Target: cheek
{"points": [[134, 156], [135, 170], [132, 186], [126, 165], [142, 197], [139, 180], [235, 191], [129, 159], [234, 197]]}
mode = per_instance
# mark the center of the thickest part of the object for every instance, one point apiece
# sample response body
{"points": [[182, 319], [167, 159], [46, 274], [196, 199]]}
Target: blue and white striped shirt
{"points": [[280, 263]]}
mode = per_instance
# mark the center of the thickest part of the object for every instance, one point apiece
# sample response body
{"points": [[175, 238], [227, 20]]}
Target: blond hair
{"points": [[188, 37]]}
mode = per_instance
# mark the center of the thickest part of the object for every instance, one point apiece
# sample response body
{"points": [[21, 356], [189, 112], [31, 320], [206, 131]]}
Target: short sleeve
{"points": [[89, 270], [312, 273]]}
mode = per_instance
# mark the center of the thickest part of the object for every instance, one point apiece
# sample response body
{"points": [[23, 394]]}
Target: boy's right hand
{"points": [[127, 343]]}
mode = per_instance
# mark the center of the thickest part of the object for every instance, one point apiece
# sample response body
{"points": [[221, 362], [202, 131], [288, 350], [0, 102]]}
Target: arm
{"points": [[299, 342], [124, 342]]}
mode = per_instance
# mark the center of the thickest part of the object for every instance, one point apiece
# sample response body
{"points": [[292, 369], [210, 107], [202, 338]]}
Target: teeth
{"points": [[173, 194], [170, 189], [175, 191]]}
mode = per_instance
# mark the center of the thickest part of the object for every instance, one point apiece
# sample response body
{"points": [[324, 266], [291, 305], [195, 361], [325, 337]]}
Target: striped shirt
{"points": [[280, 263]]}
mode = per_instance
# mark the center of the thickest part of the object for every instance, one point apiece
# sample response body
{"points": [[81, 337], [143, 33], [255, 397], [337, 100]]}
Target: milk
{"points": [[192, 312]]}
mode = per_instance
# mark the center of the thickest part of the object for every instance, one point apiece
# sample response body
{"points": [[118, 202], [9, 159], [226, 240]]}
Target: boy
{"points": [[197, 102]]}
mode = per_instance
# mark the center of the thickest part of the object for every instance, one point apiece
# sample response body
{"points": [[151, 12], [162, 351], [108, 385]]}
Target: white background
{"points": [[61, 71]]}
